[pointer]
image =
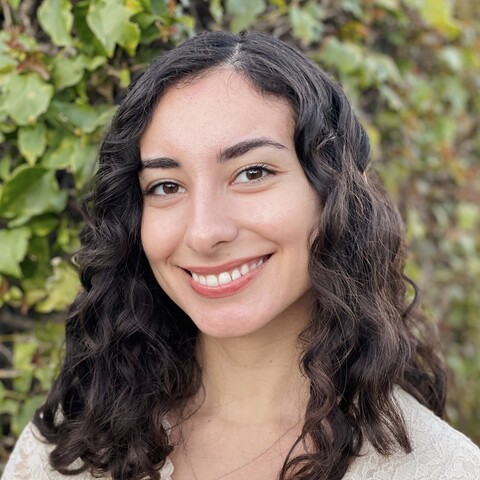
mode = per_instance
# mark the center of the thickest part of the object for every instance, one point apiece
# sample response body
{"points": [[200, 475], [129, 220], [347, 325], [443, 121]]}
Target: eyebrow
{"points": [[241, 148], [229, 153]]}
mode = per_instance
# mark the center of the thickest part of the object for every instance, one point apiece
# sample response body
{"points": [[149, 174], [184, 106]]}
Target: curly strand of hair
{"points": [[129, 357]]}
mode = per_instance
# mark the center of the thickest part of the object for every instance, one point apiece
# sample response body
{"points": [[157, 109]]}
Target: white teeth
{"points": [[236, 274], [212, 281], [224, 278]]}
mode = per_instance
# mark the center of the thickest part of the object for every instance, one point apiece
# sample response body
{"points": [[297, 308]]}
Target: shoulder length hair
{"points": [[130, 350]]}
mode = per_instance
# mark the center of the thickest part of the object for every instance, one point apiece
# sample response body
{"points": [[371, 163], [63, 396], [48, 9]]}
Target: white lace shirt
{"points": [[439, 453]]}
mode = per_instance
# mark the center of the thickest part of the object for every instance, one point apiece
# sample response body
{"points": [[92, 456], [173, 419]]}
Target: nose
{"points": [[211, 224]]}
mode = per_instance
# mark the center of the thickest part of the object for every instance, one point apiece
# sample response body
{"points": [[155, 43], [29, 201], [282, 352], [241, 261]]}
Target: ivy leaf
{"points": [[62, 287], [76, 154], [82, 162], [26, 97], [14, 4], [7, 63], [31, 191], [56, 19], [67, 72], [216, 11], [438, 14], [388, 4], [307, 22], [110, 21], [83, 116], [59, 158], [352, 6], [26, 412], [14, 248], [23, 352], [42, 225], [32, 141], [346, 57], [244, 13]]}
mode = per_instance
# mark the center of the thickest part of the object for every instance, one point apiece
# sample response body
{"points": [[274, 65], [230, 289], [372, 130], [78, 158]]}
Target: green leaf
{"points": [[31, 191], [14, 4], [158, 7], [26, 97], [26, 412], [216, 11], [62, 287], [76, 154], [468, 216], [60, 158], [9, 406], [23, 352], [130, 38], [5, 164], [32, 141], [67, 71], [438, 13], [388, 4], [68, 237], [244, 13], [56, 19], [83, 161], [452, 57], [7, 63], [36, 270], [83, 116], [307, 22], [346, 57], [14, 248], [110, 21], [352, 6], [42, 225]]}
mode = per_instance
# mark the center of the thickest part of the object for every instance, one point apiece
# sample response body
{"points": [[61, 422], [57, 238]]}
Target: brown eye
{"points": [[167, 188], [253, 174], [170, 188]]}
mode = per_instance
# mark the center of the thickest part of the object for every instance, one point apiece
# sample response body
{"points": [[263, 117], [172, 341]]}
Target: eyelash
{"points": [[151, 190], [258, 166], [265, 169]]}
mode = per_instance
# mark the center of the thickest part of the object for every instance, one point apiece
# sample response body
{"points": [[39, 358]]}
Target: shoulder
{"points": [[29, 459], [439, 451]]}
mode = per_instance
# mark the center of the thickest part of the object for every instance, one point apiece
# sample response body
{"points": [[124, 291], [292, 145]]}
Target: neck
{"points": [[253, 379]]}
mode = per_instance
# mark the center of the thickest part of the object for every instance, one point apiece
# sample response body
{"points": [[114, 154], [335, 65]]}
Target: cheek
{"points": [[159, 237], [289, 215]]}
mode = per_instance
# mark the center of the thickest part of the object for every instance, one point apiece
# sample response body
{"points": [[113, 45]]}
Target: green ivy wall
{"points": [[411, 69]]}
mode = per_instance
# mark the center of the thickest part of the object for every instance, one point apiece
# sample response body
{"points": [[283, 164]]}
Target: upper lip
{"points": [[216, 270]]}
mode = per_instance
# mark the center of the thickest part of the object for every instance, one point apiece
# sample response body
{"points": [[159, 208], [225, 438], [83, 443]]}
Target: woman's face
{"points": [[228, 212]]}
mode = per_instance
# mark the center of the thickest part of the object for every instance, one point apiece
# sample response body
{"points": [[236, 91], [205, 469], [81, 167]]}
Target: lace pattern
{"points": [[439, 453]]}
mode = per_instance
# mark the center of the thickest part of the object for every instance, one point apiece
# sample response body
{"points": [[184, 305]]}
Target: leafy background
{"points": [[410, 67]]}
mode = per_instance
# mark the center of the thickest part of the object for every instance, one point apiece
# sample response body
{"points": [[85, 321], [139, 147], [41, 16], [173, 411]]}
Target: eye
{"points": [[165, 188], [252, 174]]}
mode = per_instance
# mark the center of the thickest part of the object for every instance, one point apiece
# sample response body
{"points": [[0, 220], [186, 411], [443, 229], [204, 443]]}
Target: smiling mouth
{"points": [[229, 276]]}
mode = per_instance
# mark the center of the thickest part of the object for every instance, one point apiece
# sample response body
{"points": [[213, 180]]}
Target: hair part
{"points": [[130, 350]]}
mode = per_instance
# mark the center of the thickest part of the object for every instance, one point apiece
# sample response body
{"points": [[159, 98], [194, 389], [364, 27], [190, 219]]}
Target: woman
{"points": [[243, 312]]}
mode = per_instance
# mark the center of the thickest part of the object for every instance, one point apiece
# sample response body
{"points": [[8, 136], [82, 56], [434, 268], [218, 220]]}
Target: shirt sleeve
{"points": [[29, 459]]}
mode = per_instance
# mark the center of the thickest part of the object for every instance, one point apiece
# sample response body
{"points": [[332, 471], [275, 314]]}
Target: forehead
{"points": [[213, 112]]}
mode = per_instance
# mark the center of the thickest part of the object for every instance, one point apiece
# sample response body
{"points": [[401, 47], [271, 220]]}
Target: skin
{"points": [[203, 210]]}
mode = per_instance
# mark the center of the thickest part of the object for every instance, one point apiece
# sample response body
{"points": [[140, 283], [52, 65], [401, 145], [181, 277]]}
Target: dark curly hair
{"points": [[130, 350]]}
